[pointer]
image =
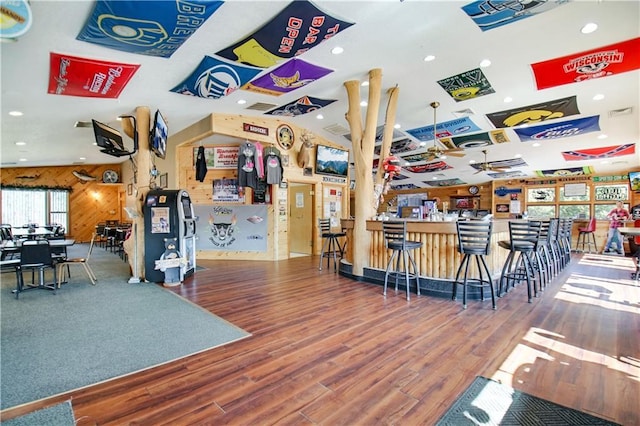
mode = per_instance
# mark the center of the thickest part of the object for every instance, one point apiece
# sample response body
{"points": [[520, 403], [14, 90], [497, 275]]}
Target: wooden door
{"points": [[300, 218]]}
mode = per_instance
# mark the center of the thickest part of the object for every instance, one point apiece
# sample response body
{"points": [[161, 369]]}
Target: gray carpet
{"points": [[84, 334], [487, 402], [56, 415]]}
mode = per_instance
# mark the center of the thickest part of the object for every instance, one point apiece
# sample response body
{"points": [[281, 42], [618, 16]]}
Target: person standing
{"points": [[616, 216]]}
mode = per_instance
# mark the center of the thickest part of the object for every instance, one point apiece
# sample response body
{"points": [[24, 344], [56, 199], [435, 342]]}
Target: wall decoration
{"points": [[219, 157], [493, 14], [537, 113], [296, 29], [163, 181], [75, 76], [130, 189], [566, 129], [227, 190], [467, 85], [303, 105], [233, 227], [137, 27], [285, 137], [598, 153], [214, 79], [597, 63], [292, 75], [502, 208]]}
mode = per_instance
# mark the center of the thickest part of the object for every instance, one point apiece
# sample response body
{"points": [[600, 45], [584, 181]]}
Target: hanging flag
{"points": [[467, 141], [537, 113], [399, 146], [301, 106], [436, 166], [444, 182], [490, 14], [570, 171], [288, 77], [566, 129], [448, 128], [151, 27], [506, 175], [598, 153], [296, 29], [214, 79], [74, 76], [467, 85], [596, 63]]}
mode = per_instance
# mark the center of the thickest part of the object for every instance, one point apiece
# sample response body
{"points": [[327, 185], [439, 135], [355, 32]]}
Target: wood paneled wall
{"points": [[89, 202]]}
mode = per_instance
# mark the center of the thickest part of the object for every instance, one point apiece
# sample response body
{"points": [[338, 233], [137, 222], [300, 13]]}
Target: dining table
{"points": [[31, 232]]}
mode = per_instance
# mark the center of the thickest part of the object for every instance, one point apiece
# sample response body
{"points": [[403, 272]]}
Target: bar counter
{"points": [[437, 259]]}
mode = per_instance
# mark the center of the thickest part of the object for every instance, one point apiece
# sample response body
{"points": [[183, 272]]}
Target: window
{"points": [[541, 212], [602, 210], [575, 211], [41, 206]]}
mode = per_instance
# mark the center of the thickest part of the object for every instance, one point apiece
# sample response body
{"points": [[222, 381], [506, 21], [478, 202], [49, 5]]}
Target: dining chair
{"points": [[84, 261], [35, 255]]}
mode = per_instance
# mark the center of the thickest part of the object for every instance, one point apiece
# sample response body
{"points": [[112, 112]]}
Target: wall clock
{"points": [[284, 136], [473, 190], [110, 176]]}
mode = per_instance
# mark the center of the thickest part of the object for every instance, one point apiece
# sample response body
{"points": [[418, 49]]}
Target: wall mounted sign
{"points": [[252, 128]]}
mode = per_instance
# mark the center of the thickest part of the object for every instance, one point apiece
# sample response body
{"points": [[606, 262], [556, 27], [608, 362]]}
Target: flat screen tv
{"points": [[634, 181], [158, 136], [332, 161], [107, 138]]}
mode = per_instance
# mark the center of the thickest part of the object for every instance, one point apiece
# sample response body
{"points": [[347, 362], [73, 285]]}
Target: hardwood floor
{"points": [[328, 350]]}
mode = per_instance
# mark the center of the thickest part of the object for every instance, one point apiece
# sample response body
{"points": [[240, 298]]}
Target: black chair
{"points": [[331, 246], [564, 240], [474, 241], [523, 238], [395, 235], [35, 255]]}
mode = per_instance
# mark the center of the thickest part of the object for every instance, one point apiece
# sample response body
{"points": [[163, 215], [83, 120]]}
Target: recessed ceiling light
{"points": [[485, 63], [423, 143], [82, 158], [602, 136], [319, 116], [508, 99], [472, 161], [21, 143], [429, 58], [598, 97], [518, 155], [589, 28], [241, 101], [337, 50], [363, 103], [22, 159], [396, 126], [365, 83], [15, 113], [604, 162], [536, 144]]}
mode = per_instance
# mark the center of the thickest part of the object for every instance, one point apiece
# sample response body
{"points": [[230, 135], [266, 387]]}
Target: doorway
{"points": [[300, 219]]}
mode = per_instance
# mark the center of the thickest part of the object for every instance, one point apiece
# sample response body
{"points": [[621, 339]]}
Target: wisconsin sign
{"points": [[565, 129], [152, 27]]}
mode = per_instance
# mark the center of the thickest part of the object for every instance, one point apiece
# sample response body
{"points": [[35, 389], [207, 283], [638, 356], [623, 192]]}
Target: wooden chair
{"points": [[84, 261]]}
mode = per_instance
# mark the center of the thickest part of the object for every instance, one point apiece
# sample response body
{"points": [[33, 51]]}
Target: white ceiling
{"points": [[394, 36]]}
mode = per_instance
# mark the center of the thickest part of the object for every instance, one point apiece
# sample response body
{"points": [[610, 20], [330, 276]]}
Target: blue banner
{"points": [[154, 28], [566, 129], [214, 79], [448, 128], [489, 14], [296, 29]]}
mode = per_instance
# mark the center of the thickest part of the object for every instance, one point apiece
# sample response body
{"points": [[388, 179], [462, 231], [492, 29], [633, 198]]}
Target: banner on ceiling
{"points": [[500, 164], [566, 129], [154, 28], [598, 153], [16, 18], [304, 105], [436, 166], [288, 77], [506, 175], [296, 29], [400, 146], [74, 76], [601, 62], [467, 85], [544, 111], [467, 141], [214, 79], [571, 171], [490, 14], [444, 182], [448, 128]]}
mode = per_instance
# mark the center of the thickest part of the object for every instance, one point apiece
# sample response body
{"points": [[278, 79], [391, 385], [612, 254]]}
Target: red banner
{"points": [[73, 76], [596, 63]]}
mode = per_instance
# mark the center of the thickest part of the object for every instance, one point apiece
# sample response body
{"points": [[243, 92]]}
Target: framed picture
{"points": [[130, 189], [163, 181]]}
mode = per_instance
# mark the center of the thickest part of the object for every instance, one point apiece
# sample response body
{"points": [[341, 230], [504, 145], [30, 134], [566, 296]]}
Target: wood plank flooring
{"points": [[327, 350]]}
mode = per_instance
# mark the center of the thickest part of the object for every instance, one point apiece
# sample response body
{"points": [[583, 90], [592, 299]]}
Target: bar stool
{"points": [[474, 238], [587, 236], [523, 237], [331, 246], [395, 235]]}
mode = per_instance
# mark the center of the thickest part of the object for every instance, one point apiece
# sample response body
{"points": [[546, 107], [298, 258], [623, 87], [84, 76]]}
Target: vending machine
{"points": [[168, 214]]}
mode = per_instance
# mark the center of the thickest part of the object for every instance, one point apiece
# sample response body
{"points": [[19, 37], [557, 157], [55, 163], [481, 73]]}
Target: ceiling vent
{"points": [[83, 124], [620, 112], [10, 163], [463, 113], [261, 106], [337, 129]]}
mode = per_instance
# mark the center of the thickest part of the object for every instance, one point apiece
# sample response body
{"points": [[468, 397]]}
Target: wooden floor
{"points": [[326, 350]]}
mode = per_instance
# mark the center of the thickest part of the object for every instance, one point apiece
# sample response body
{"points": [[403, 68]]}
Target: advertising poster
{"points": [[160, 223], [566, 129], [227, 190]]}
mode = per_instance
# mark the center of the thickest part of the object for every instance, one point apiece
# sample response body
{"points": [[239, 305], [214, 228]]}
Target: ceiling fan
{"points": [[435, 151], [487, 167]]}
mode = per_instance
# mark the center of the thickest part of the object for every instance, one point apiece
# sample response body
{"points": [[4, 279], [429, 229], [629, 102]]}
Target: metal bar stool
{"points": [[587, 237], [474, 238], [395, 235], [331, 246], [523, 237]]}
